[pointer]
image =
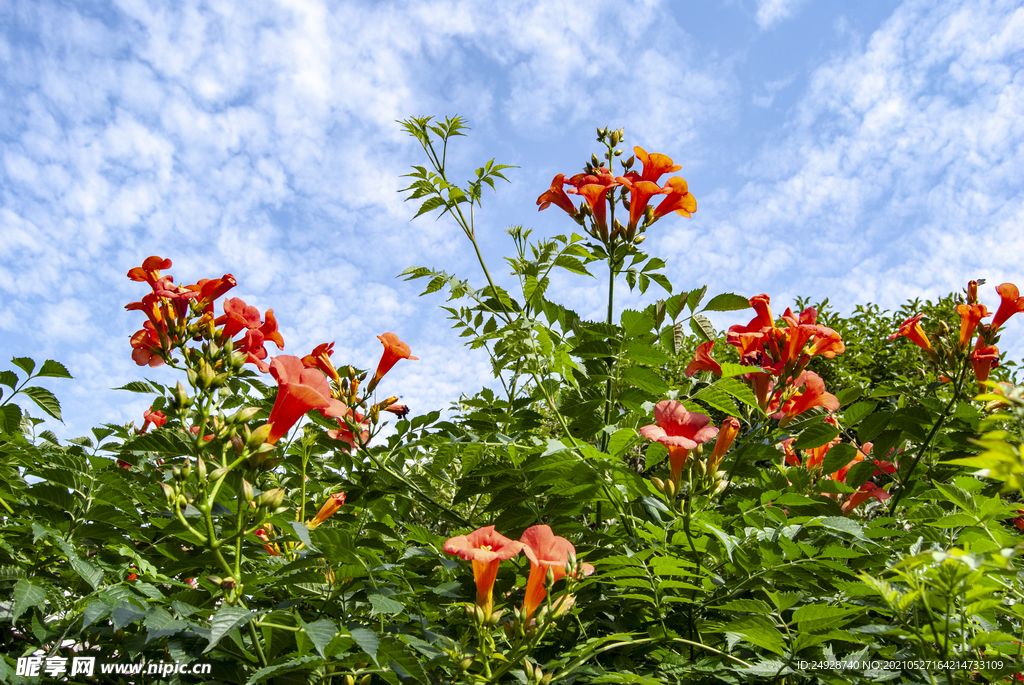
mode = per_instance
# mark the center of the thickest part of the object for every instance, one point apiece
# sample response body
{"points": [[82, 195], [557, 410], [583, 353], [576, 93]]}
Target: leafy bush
{"points": [[798, 499]]}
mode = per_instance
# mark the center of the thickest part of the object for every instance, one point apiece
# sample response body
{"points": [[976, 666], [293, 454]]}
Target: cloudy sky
{"points": [[863, 150]]}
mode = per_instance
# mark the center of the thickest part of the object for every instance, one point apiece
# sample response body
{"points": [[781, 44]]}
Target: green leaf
{"points": [[302, 533], [54, 369], [716, 399], [94, 612], [729, 370], [839, 456], [45, 399], [694, 298], [645, 379], [366, 639], [741, 392], [873, 425], [856, 413], [727, 302], [727, 540], [24, 363], [635, 323], [701, 325], [844, 525], [402, 662], [645, 354], [957, 496], [382, 604], [751, 606], [10, 419], [226, 619], [620, 440], [26, 595], [277, 669], [86, 569], [860, 473], [816, 435], [320, 633], [9, 378], [142, 387]]}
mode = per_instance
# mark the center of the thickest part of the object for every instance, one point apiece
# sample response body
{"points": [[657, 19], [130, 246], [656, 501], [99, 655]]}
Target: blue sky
{"points": [[864, 151]]}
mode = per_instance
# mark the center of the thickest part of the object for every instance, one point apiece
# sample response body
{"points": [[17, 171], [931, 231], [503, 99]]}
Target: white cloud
{"points": [[771, 12]]}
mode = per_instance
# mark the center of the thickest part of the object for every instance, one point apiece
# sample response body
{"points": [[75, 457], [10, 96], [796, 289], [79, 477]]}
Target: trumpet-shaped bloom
{"points": [[346, 419], [156, 418], [680, 431], [394, 349], [912, 329], [1010, 303], [655, 164], [970, 316], [828, 343], [299, 390], [556, 196], [333, 503], [486, 548], [702, 360], [726, 435], [545, 550], [762, 305], [813, 395], [677, 199], [150, 269], [640, 193], [321, 358], [984, 358], [866, 492], [146, 346], [594, 189]]}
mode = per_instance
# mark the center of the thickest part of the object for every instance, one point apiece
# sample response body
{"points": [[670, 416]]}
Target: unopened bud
{"points": [[206, 374], [639, 239], [528, 670], [618, 153], [614, 139], [659, 484], [465, 664], [182, 501], [549, 577], [600, 133], [546, 679], [168, 492], [495, 617], [217, 474], [365, 680], [214, 350], [670, 489], [258, 437], [594, 160], [350, 680], [629, 162], [228, 583], [176, 472], [271, 499], [238, 441], [247, 490], [186, 469], [181, 398], [201, 468], [244, 414], [193, 377], [216, 580], [972, 292]]}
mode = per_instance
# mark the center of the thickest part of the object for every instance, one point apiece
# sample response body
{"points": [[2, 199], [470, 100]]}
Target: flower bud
{"points": [[726, 435], [549, 577], [670, 489], [659, 484], [639, 239], [258, 437], [629, 162], [217, 474], [595, 161], [181, 398], [176, 472], [243, 415], [614, 139], [972, 292], [201, 468], [168, 492], [495, 617], [546, 679], [247, 490], [600, 134], [186, 469], [181, 502], [228, 583], [528, 670], [350, 679], [271, 499], [465, 664], [193, 377], [206, 374], [365, 680], [238, 442], [214, 350], [216, 580]]}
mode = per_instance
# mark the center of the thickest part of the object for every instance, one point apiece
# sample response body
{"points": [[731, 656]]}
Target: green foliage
{"points": [[757, 562]]}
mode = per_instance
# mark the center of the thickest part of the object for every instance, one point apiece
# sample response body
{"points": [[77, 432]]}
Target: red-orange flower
{"points": [[211, 290], [394, 349], [702, 360], [762, 305], [726, 435], [970, 316], [1010, 303], [333, 503], [813, 395], [150, 269], [555, 195], [321, 358], [677, 199], [149, 416], [866, 492], [655, 164], [594, 189], [486, 548], [680, 431], [911, 328], [146, 346], [640, 193], [984, 358], [545, 550], [344, 432], [299, 390]]}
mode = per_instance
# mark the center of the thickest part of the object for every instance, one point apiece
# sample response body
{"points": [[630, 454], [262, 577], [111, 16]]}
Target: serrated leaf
{"points": [[142, 387], [94, 612], [730, 370], [125, 614], [727, 302], [695, 296], [24, 363], [839, 456], [701, 325], [86, 569], [859, 473], [26, 595], [10, 415], [645, 354], [957, 496], [716, 399], [226, 619], [302, 533], [816, 435], [53, 369], [320, 633], [9, 378], [278, 669], [635, 323], [383, 605], [645, 379], [366, 639], [857, 412], [620, 440], [751, 606], [44, 399], [844, 525]]}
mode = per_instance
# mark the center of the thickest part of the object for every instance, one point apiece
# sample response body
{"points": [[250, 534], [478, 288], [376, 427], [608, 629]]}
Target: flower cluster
{"points": [[985, 355], [597, 184], [177, 315], [783, 386], [814, 458], [551, 557], [681, 431]]}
